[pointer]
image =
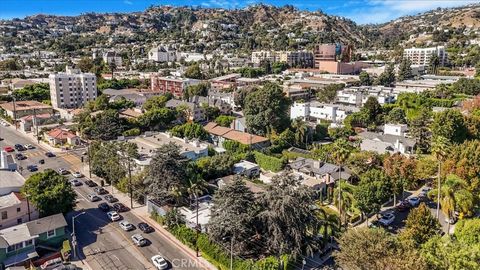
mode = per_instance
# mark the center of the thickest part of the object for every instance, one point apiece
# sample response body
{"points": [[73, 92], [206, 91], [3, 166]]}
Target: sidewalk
{"points": [[141, 212]]}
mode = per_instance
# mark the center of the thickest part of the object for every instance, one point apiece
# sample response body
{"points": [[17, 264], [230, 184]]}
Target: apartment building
{"points": [[317, 111], [111, 57], [292, 58], [162, 54], [168, 84], [259, 56], [357, 96], [15, 209], [72, 89], [421, 56]]}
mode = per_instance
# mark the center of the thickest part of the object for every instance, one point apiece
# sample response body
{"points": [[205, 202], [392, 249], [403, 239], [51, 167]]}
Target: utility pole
{"points": [[89, 160], [28, 207], [130, 182], [14, 113], [196, 227], [74, 237], [36, 123]]}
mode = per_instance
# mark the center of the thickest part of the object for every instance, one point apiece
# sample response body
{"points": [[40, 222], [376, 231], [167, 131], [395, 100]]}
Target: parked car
{"points": [[41, 161], [20, 156], [126, 226], [29, 146], [75, 182], [414, 201], [113, 216], [451, 220], [8, 149], [144, 227], [62, 171], [90, 183], [19, 147], [49, 154], [93, 197], [387, 219], [403, 206], [52, 264], [77, 174], [120, 207], [32, 168], [159, 262], [139, 240], [100, 190], [104, 207], [109, 198], [1, 139]]}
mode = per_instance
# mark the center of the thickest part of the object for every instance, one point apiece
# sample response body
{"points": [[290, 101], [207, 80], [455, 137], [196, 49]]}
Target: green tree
{"points": [[449, 124], [420, 131], [200, 89], [372, 191], [396, 116], [156, 119], [267, 110], [194, 72], [401, 171], [216, 166], [372, 109], [302, 133], [85, 64], [440, 149], [329, 92], [365, 78], [107, 125], [240, 95], [156, 102], [39, 92], [50, 192], [434, 64], [420, 226], [190, 131], [224, 120], [387, 78], [341, 151], [405, 70]]}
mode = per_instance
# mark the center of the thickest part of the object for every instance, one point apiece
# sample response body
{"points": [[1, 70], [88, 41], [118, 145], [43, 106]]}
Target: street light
{"points": [[74, 238]]}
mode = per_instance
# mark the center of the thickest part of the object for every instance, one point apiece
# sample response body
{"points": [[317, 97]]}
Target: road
{"points": [[103, 244]]}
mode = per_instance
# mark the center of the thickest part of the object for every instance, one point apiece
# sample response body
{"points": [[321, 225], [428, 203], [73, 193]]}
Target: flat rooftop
{"points": [[148, 145], [10, 181]]}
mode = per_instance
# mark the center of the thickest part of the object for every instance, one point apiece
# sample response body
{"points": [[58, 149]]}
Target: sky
{"points": [[360, 11]]}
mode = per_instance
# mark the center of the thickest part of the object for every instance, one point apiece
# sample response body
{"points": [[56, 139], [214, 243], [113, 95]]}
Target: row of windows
{"points": [[5, 213], [21, 245]]}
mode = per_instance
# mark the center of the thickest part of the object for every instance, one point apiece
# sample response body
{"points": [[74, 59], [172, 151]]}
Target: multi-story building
{"points": [[20, 109], [162, 54], [335, 58], [357, 96], [15, 209], [292, 58], [111, 57], [72, 89], [259, 56], [174, 85], [319, 111], [421, 56]]}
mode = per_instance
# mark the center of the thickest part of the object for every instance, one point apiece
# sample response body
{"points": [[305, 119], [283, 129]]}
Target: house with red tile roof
{"points": [[59, 136], [220, 134]]}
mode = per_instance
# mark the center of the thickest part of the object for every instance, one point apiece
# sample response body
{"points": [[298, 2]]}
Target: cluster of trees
{"points": [[11, 64], [39, 92], [121, 84]]}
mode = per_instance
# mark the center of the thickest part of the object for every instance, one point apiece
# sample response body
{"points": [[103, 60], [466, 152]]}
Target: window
{"points": [[19, 221], [19, 209], [50, 233], [4, 215], [10, 249], [19, 245], [28, 242]]}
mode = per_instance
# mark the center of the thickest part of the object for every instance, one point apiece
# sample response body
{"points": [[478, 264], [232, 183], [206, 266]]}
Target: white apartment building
{"points": [[112, 57], [259, 56], [292, 58], [162, 54], [357, 96], [421, 56], [320, 111], [72, 89]]}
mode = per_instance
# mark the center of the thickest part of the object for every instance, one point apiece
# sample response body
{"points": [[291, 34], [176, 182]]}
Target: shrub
{"points": [[131, 132], [269, 163]]}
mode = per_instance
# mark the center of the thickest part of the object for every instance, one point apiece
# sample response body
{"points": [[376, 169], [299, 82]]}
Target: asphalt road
{"points": [[102, 243]]}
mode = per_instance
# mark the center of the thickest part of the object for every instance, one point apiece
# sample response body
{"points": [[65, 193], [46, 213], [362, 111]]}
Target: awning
{"points": [[20, 257]]}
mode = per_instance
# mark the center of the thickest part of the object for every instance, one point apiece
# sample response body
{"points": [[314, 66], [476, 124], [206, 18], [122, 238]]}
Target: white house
{"points": [[246, 168], [320, 111], [393, 140], [162, 54], [357, 96]]}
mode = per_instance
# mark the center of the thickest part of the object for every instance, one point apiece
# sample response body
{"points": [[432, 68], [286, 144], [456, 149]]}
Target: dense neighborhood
{"points": [[256, 138]]}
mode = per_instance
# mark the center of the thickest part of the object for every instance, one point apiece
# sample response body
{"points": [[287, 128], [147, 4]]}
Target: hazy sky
{"points": [[361, 11]]}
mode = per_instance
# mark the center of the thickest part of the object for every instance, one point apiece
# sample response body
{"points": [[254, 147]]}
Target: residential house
{"points": [[59, 136], [392, 140], [23, 108], [162, 54], [19, 244], [246, 168], [15, 209], [212, 101], [219, 135], [202, 209], [27, 123], [357, 96], [317, 111], [224, 82], [194, 111], [169, 84], [7, 162]]}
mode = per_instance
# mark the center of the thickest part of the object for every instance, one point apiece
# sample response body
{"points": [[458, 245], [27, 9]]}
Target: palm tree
{"points": [[341, 152], [329, 224], [440, 148], [301, 132], [344, 199]]}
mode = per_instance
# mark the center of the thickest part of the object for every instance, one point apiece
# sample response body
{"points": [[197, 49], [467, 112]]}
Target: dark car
{"points": [[32, 168], [403, 206], [41, 161], [104, 207], [119, 207], [20, 156], [109, 198], [100, 190], [90, 183], [49, 154], [1, 139], [144, 227], [19, 147]]}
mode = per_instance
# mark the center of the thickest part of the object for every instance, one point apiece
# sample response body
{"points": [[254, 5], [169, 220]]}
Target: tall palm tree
{"points": [[301, 132], [440, 148], [340, 154], [329, 224], [344, 199]]}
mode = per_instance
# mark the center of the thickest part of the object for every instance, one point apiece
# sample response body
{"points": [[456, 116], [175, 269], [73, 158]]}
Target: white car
{"points": [[113, 216], [62, 171], [29, 146], [77, 174], [126, 226], [414, 201], [75, 182], [159, 262], [139, 240], [387, 219]]}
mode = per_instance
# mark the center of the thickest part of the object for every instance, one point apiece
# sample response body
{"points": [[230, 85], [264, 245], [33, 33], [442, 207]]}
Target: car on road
{"points": [[414, 201], [113, 216], [32, 168], [49, 154], [75, 182], [387, 219], [77, 174], [41, 161], [104, 207], [451, 220], [159, 262], [52, 264], [139, 240], [144, 227], [93, 197], [8, 149], [126, 226], [20, 156], [5, 124], [62, 171], [90, 183], [29, 146], [100, 190], [1, 139], [19, 147], [403, 206], [109, 198], [120, 207]]}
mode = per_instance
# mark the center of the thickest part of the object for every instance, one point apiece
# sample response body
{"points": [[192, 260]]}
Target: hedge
{"points": [[268, 162]]}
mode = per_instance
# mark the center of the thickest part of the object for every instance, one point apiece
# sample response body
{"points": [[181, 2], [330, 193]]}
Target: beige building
{"points": [[14, 210], [421, 56], [20, 109], [72, 89]]}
